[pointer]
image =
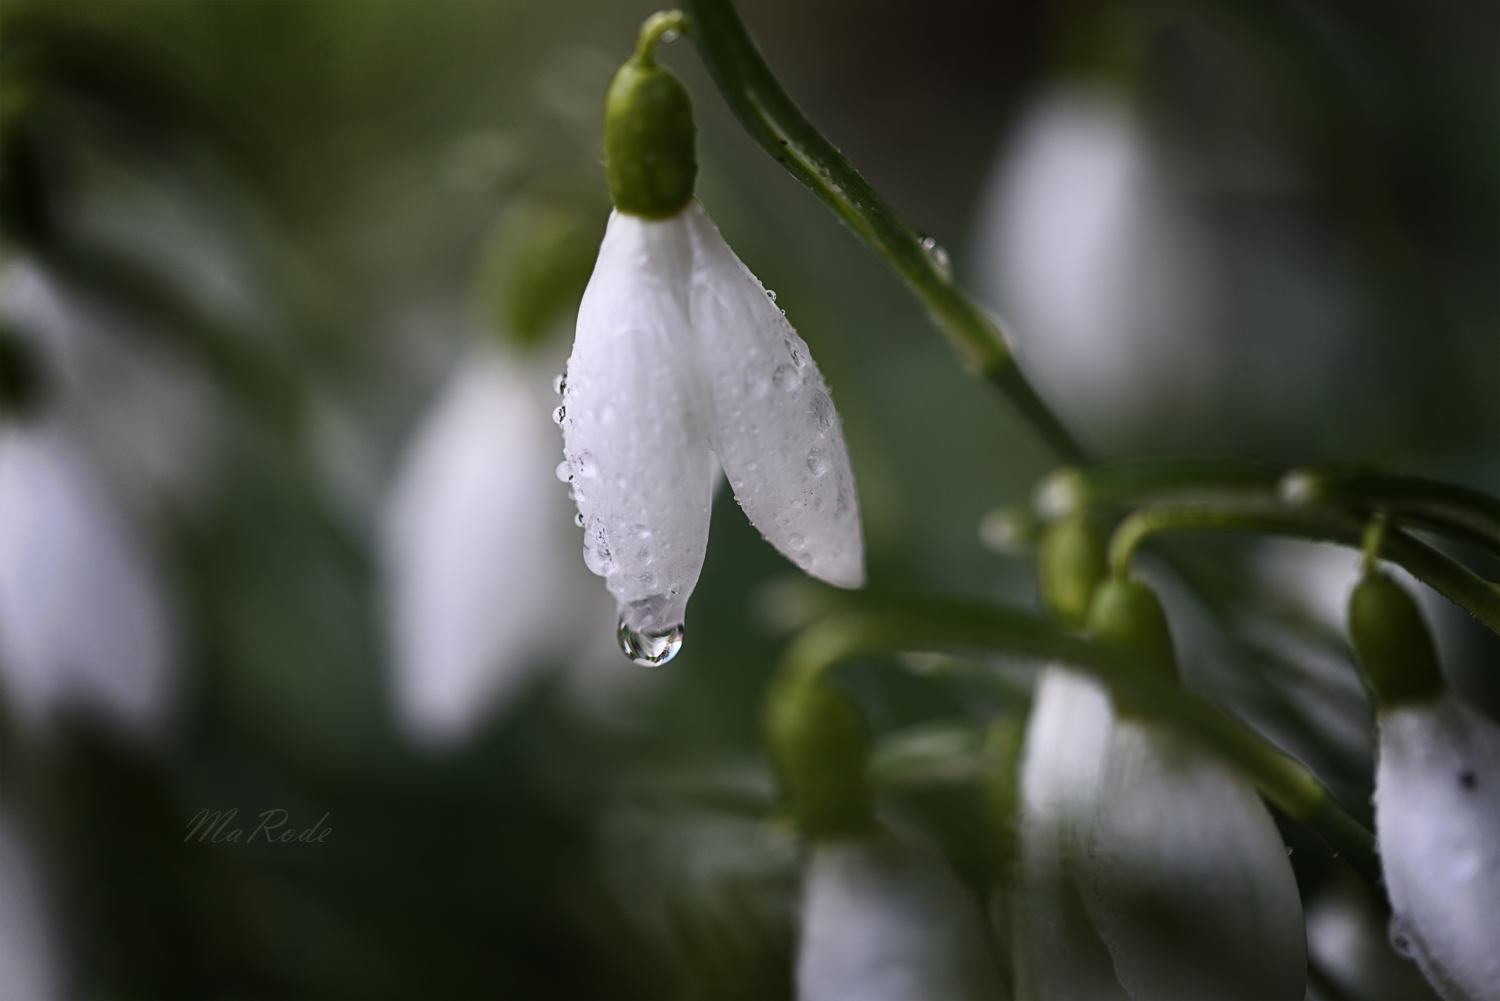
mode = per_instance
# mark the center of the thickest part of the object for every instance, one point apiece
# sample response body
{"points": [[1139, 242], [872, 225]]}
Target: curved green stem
{"points": [[774, 120], [1069, 490], [1466, 515], [980, 629], [1443, 574]]}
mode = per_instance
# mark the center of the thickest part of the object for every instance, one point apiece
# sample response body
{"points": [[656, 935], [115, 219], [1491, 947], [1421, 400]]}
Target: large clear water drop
{"points": [[650, 649]]}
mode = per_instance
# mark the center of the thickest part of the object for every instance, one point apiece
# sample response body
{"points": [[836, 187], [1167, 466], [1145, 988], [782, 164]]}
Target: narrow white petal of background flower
{"points": [[884, 920], [1187, 878], [82, 621], [29, 966], [1058, 956], [472, 538], [634, 435], [1437, 825], [774, 426]]}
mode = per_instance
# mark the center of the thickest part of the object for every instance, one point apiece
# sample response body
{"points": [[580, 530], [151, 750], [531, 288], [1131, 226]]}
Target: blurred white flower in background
{"points": [[29, 963], [884, 920], [1100, 270], [83, 618], [483, 585]]}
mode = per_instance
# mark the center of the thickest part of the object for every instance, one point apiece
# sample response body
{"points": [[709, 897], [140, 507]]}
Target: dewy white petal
{"points": [[883, 920], [1437, 825], [634, 436], [469, 544], [82, 619], [1186, 877], [773, 423], [1058, 956]]}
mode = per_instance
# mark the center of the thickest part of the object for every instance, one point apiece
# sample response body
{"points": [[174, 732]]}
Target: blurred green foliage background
{"points": [[292, 205]]}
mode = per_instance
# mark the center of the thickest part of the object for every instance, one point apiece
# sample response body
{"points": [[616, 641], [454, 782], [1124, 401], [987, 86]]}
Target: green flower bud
{"points": [[1393, 642], [649, 159], [539, 261], [1127, 616], [820, 748], [1070, 563]]}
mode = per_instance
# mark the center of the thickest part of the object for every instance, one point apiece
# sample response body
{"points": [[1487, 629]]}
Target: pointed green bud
{"points": [[820, 749], [649, 136], [1070, 563], [1393, 642], [1127, 616]]}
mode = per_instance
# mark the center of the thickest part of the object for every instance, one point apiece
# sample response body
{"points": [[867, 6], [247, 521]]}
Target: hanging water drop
{"points": [[560, 383], [772, 294], [559, 414], [564, 471], [578, 519], [650, 649]]}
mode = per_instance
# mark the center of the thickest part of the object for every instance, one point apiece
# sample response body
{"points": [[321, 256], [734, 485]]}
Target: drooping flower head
{"points": [[681, 355]]}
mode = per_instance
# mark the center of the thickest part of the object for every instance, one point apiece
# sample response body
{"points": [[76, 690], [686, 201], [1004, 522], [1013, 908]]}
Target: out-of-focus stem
{"points": [[1136, 479], [1466, 515], [774, 120], [1445, 575]]}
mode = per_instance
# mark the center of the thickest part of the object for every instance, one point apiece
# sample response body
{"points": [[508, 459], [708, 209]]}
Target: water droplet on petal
{"points": [[1400, 936], [796, 541], [560, 384], [578, 519], [559, 414], [817, 462], [649, 649], [772, 294], [786, 378], [821, 408], [565, 471], [641, 531]]}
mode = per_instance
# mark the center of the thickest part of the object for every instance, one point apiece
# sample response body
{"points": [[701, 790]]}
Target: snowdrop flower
{"points": [[1437, 799], [82, 621], [680, 355], [1185, 876], [884, 920]]}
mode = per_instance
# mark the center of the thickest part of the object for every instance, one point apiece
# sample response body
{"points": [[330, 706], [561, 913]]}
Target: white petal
{"points": [[82, 621], [886, 921], [634, 437], [1437, 820], [1057, 954], [774, 426], [1187, 879], [472, 537]]}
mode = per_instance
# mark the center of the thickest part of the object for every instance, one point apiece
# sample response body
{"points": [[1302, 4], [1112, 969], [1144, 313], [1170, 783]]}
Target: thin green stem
{"points": [[965, 629], [774, 120], [653, 30], [1150, 477], [1463, 514], [1442, 573]]}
